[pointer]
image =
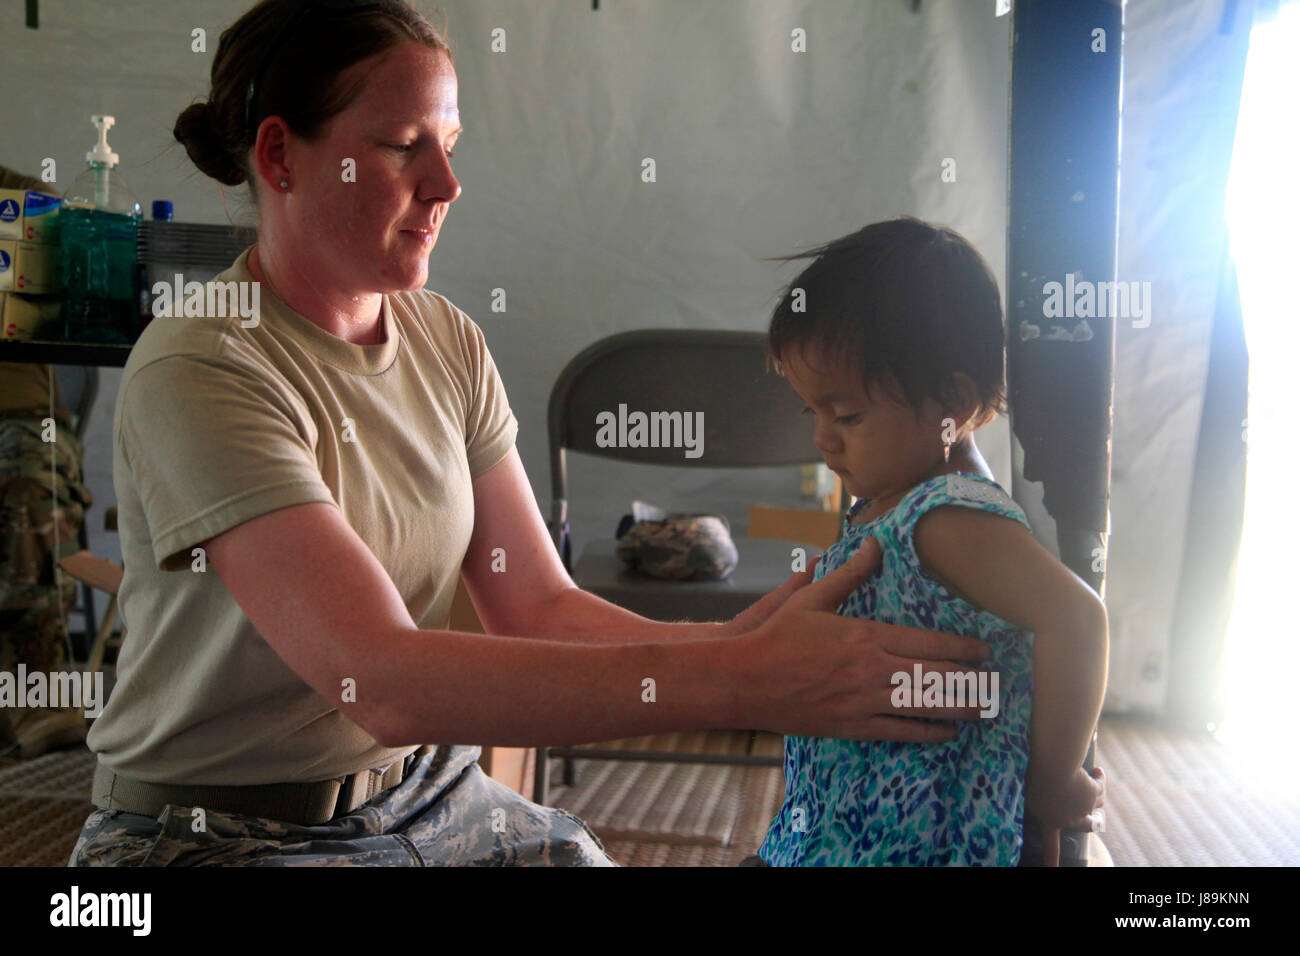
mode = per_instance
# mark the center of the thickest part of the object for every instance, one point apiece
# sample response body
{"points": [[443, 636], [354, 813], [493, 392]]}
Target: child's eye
{"points": [[398, 146], [849, 419]]}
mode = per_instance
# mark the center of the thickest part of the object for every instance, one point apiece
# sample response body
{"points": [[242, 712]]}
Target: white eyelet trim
{"points": [[960, 486]]}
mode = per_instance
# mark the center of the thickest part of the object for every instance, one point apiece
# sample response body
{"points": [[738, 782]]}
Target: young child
{"points": [[893, 338]]}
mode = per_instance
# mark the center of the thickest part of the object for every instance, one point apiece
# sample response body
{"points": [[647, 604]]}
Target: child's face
{"points": [[878, 447]]}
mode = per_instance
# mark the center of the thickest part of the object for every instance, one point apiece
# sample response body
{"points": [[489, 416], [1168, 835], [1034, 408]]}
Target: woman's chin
{"points": [[410, 276]]}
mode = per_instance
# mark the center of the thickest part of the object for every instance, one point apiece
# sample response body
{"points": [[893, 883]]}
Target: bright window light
{"points": [[1263, 210]]}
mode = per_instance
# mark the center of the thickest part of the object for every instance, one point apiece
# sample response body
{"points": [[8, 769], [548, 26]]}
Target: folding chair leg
{"points": [[88, 615], [89, 623], [541, 773]]}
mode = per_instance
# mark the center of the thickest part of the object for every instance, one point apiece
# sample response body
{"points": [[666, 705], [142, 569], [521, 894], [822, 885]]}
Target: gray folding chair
{"points": [[752, 418]]}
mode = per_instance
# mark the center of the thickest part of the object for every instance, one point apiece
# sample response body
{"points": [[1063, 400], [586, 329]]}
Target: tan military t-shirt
{"points": [[216, 424]]}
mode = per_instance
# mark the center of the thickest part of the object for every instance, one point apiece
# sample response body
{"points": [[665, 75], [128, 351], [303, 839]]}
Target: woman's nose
{"points": [[440, 183]]}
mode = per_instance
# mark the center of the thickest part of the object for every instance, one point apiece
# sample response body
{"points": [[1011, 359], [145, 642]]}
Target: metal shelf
{"points": [[197, 250], [64, 353]]}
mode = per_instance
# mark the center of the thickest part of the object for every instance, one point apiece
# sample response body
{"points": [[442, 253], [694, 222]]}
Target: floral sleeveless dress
{"points": [[883, 803]]}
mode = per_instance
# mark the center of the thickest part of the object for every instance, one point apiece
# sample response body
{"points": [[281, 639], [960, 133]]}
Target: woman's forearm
{"points": [[450, 687], [578, 616]]}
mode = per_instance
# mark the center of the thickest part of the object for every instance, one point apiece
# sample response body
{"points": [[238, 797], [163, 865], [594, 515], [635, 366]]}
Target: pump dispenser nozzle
{"points": [[101, 153]]}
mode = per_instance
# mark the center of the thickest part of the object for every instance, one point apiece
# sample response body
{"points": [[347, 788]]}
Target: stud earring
{"points": [[284, 184]]}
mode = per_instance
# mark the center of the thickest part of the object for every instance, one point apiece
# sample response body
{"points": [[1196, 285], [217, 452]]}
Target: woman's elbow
{"points": [[387, 729]]}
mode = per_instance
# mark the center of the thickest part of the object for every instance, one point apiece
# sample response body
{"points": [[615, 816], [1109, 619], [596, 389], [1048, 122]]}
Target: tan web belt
{"points": [[306, 804]]}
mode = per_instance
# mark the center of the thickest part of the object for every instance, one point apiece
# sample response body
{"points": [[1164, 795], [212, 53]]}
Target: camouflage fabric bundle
{"points": [[679, 548], [31, 626]]}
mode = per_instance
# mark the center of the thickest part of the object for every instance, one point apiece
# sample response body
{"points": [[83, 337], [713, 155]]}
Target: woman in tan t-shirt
{"points": [[353, 184]]}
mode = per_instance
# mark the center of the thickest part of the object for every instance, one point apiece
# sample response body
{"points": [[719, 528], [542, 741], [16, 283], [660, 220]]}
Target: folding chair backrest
{"points": [[752, 417]]}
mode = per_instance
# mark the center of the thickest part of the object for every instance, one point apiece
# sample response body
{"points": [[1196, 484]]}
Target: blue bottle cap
{"points": [[162, 210]]}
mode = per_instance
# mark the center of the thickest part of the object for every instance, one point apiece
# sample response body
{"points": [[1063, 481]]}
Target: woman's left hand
{"points": [[766, 606]]}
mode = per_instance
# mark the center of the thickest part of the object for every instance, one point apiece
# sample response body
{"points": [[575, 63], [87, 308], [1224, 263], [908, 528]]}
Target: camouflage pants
{"points": [[33, 605], [447, 812]]}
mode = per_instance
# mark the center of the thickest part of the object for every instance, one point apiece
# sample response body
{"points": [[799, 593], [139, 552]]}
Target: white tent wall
{"points": [[760, 151], [1177, 137]]}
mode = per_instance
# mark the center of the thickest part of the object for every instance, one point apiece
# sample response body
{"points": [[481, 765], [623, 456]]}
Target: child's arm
{"points": [[995, 564]]}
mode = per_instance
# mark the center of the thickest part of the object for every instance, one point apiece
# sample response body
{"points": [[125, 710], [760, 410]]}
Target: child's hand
{"points": [[1077, 807]]}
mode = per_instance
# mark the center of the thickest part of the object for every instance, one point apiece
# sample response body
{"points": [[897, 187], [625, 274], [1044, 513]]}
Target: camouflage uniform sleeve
{"points": [[42, 505]]}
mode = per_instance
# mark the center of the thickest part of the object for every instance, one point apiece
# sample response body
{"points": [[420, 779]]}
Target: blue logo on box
{"points": [[10, 210], [38, 204]]}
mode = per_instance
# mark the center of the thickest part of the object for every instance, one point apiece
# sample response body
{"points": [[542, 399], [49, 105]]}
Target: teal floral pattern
{"points": [[883, 803]]}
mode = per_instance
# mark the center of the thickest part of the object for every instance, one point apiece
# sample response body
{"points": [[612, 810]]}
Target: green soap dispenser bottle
{"points": [[98, 227]]}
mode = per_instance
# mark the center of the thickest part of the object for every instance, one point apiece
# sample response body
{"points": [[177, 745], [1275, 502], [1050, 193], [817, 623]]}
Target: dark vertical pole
{"points": [[1064, 177]]}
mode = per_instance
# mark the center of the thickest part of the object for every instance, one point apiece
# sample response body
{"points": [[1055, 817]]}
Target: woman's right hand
{"points": [[810, 672]]}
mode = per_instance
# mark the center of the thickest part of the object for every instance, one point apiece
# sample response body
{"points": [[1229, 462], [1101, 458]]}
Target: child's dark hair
{"points": [[907, 304]]}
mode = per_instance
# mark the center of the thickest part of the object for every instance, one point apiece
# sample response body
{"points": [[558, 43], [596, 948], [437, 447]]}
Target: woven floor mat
{"points": [[1172, 800], [43, 803], [1181, 799], [663, 854], [39, 831], [656, 814], [63, 774]]}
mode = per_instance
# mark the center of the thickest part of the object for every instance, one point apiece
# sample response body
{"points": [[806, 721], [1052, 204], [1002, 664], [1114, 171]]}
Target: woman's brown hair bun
{"points": [[196, 130]]}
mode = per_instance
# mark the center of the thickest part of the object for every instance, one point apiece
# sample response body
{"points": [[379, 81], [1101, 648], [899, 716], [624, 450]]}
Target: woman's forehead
{"points": [[411, 84]]}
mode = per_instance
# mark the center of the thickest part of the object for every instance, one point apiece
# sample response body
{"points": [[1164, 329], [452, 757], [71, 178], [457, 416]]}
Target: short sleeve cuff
{"points": [[171, 546], [488, 454]]}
